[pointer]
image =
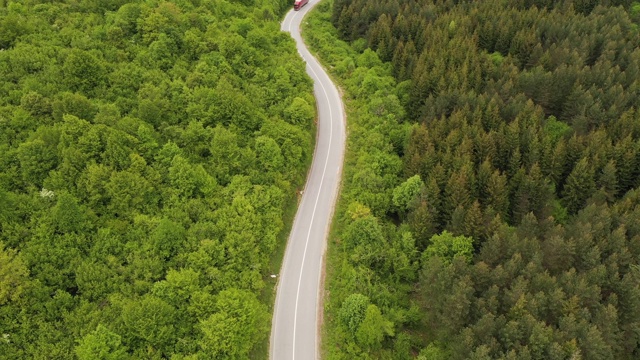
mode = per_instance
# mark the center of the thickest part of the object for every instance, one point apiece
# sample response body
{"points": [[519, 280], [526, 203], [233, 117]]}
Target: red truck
{"points": [[299, 3]]}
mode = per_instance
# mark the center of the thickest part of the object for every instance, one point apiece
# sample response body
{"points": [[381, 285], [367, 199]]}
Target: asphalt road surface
{"points": [[295, 328]]}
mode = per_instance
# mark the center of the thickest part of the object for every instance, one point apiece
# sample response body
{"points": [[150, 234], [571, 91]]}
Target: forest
{"points": [[491, 193], [149, 151]]}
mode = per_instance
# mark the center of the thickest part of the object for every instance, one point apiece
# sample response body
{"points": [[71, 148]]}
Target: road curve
{"points": [[294, 332]]}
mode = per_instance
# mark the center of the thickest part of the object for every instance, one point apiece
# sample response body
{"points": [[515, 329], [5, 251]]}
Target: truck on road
{"points": [[299, 3]]}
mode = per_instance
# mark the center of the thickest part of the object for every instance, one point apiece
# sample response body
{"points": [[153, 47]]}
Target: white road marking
{"points": [[313, 214], [303, 51], [293, 17]]}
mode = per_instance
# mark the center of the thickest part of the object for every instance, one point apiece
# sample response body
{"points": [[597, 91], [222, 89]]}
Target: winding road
{"points": [[295, 326]]}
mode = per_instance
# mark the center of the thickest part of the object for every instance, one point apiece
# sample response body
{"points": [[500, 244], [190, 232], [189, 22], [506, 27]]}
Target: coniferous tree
{"points": [[524, 112], [579, 187]]}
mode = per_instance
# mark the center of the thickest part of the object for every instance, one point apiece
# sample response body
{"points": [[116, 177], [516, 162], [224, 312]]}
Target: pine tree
{"points": [[579, 187], [484, 174], [608, 181], [458, 192], [498, 194], [473, 224]]}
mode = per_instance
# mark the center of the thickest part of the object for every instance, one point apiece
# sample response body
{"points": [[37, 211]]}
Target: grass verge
{"points": [[315, 24], [376, 137]]}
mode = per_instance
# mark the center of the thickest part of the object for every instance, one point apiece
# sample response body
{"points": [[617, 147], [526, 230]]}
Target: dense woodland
{"points": [[491, 204], [148, 150]]}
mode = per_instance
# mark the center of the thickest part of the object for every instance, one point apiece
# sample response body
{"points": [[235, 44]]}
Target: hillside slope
{"points": [[148, 150], [505, 224]]}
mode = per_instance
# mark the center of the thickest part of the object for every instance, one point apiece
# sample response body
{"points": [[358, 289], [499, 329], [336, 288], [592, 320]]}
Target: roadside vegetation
{"points": [[148, 153], [490, 205]]}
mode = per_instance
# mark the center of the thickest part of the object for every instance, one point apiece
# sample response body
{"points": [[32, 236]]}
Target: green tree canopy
{"points": [[447, 246], [406, 193], [101, 344], [233, 329]]}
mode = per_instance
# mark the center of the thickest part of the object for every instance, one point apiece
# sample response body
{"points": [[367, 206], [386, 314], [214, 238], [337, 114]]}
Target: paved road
{"points": [[294, 333]]}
